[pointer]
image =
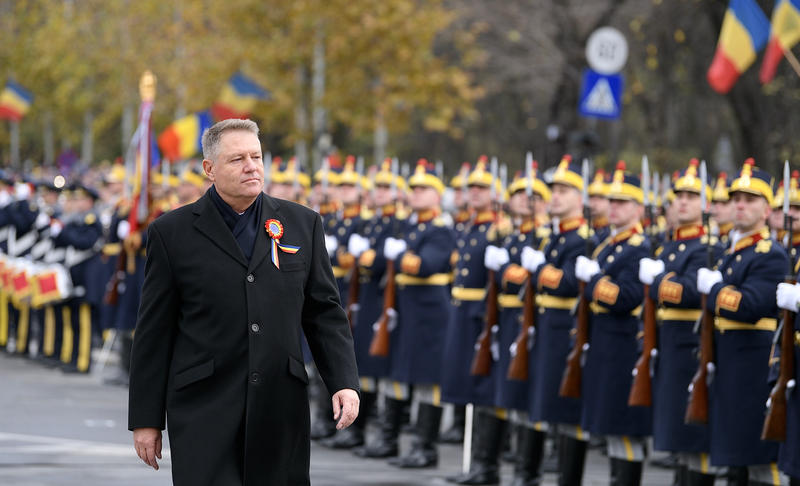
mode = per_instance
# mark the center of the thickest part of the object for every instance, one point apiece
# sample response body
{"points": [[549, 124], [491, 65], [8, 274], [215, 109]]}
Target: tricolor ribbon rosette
{"points": [[275, 231]]}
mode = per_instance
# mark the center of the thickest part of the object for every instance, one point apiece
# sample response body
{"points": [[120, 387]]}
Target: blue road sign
{"points": [[601, 95]]}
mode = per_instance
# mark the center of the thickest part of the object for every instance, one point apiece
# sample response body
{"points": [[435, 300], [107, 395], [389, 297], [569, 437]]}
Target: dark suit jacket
{"points": [[218, 350]]}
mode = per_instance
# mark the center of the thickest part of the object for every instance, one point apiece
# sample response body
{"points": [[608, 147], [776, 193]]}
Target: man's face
{"points": [[188, 192], [49, 197], [82, 203], [237, 171], [479, 197], [750, 211], [348, 193], [565, 200], [687, 207], [722, 212], [281, 191], [519, 204], [598, 207], [622, 212], [383, 195], [794, 212], [424, 197], [775, 220]]}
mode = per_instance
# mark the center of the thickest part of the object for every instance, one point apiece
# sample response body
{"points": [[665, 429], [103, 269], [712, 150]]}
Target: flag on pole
{"points": [[784, 35], [745, 31], [181, 139], [238, 97], [144, 152], [15, 101]]}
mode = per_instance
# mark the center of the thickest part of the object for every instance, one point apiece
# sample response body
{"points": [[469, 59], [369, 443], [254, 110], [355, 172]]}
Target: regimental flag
{"points": [[744, 33], [238, 97], [785, 34], [15, 101], [181, 139]]}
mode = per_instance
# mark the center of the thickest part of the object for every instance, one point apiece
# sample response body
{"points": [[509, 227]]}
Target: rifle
{"points": [[571, 380], [518, 368], [379, 346], [641, 394], [354, 287], [697, 408], [775, 421], [482, 360]]}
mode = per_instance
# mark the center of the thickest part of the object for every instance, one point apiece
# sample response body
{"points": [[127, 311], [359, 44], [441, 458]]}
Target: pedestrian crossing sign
{"points": [[601, 95]]}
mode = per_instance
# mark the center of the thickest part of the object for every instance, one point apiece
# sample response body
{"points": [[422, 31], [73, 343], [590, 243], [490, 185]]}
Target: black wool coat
{"points": [[217, 348]]}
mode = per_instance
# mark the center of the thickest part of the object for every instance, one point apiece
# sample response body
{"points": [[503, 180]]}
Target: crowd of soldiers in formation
{"points": [[578, 308]]}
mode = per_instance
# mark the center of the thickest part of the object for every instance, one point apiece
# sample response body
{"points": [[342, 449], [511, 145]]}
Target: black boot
{"points": [[572, 455], [530, 449], [123, 372], [353, 436], [423, 452], [455, 434], [694, 478], [388, 430], [794, 481], [626, 473], [550, 463], [488, 433], [737, 476]]}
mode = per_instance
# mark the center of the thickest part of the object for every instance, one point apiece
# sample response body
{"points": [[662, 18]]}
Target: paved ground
{"points": [[67, 430]]}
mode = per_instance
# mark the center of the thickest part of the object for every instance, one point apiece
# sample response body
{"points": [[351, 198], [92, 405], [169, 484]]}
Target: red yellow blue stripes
{"points": [[238, 97], [744, 33], [784, 35], [15, 101], [181, 139]]}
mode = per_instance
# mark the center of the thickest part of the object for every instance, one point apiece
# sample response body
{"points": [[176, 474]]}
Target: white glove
{"points": [[357, 245], [495, 257], [42, 220], [22, 191], [788, 296], [648, 269], [531, 259], [586, 268], [55, 227], [123, 229], [393, 247], [706, 279], [331, 244]]}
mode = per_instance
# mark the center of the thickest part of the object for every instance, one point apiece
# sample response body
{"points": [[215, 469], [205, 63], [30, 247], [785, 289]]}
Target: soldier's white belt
{"points": [[599, 309], [435, 279], [553, 302], [465, 293], [509, 301], [763, 324], [671, 314]]}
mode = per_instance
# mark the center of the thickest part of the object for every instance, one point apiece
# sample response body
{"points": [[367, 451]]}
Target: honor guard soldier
{"points": [[80, 233], [467, 322], [598, 205], [322, 197], [672, 280], [417, 344], [288, 182], [615, 295], [192, 184], [527, 194], [368, 248], [458, 183], [744, 320], [553, 271], [722, 210]]}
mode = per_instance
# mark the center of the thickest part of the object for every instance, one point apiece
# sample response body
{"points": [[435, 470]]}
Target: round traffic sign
{"points": [[607, 50]]}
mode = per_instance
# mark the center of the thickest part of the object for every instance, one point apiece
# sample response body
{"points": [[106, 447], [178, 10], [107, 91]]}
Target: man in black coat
{"points": [[230, 282]]}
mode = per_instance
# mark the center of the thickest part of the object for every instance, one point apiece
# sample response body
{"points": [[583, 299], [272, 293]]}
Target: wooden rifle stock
{"points": [[518, 368], [482, 360], [697, 409], [641, 394], [380, 339], [571, 381], [352, 295], [775, 421], [112, 288]]}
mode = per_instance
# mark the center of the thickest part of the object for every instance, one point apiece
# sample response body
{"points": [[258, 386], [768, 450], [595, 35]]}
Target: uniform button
{"points": [[467, 257], [412, 236], [378, 228], [255, 377], [255, 327], [251, 278], [473, 242], [738, 258], [610, 259], [514, 250], [421, 226], [562, 240], [618, 249], [521, 237], [464, 272], [461, 243], [729, 271], [681, 247], [671, 257], [482, 228], [553, 253], [385, 219]]}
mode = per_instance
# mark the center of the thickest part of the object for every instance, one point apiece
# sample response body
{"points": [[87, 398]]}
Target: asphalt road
{"points": [[65, 430]]}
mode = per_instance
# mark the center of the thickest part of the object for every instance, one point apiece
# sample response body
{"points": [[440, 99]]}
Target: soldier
{"points": [[466, 323], [556, 295], [615, 295], [461, 213], [512, 394], [422, 259], [598, 204], [672, 279], [744, 320], [192, 184], [722, 209]]}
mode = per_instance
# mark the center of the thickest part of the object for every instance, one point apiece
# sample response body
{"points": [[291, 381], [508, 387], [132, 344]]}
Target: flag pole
{"points": [[789, 55]]}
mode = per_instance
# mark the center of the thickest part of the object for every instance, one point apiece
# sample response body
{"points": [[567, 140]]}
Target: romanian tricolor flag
{"points": [[238, 97], [785, 34], [744, 33], [181, 139], [14, 101]]}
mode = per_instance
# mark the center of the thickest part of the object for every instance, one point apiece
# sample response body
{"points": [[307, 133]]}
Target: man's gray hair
{"points": [[212, 136]]}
